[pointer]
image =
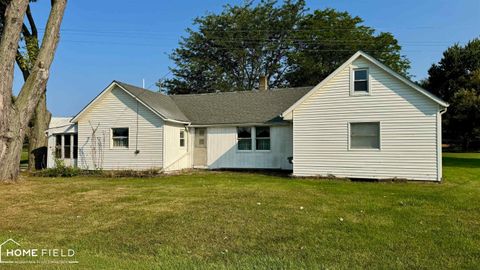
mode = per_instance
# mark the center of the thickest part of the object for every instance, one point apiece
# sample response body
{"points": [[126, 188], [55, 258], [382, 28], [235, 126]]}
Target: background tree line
{"points": [[293, 46]]}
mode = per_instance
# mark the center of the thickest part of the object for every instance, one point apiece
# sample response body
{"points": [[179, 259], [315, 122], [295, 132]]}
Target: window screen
{"points": [[365, 135]]}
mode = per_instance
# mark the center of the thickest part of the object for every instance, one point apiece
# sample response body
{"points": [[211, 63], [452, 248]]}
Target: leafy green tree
{"points": [[231, 50], [456, 79], [327, 38]]}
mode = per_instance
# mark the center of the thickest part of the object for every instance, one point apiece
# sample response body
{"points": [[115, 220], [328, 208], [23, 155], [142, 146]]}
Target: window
{"points": [[120, 137], [75, 146], [200, 136], [182, 138], [360, 81], [58, 146], [262, 136], [244, 136], [66, 146], [365, 135]]}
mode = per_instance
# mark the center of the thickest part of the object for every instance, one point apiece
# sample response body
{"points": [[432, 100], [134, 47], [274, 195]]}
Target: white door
{"points": [[200, 148]]}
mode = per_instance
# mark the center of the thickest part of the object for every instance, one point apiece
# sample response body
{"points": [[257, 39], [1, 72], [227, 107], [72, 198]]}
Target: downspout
{"points": [[439, 144]]}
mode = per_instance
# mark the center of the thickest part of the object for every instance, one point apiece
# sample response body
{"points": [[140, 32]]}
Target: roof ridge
{"points": [[244, 91]]}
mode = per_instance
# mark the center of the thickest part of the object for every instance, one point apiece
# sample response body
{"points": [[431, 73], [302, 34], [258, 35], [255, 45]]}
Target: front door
{"points": [[200, 148]]}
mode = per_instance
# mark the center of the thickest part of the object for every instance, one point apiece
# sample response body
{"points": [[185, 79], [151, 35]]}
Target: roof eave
{"points": [[376, 62]]}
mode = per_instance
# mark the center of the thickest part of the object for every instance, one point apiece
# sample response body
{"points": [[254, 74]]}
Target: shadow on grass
{"points": [[461, 162]]}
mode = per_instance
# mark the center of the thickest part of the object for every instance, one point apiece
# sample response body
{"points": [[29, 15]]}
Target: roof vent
{"points": [[263, 83]]}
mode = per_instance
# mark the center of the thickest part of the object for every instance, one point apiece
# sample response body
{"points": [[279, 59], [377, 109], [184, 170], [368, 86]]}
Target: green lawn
{"points": [[212, 220]]}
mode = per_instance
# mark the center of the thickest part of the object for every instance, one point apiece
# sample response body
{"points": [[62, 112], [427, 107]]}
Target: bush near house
{"points": [[219, 220]]}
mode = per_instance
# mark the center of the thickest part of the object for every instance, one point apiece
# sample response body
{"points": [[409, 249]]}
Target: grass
{"points": [[215, 220]]}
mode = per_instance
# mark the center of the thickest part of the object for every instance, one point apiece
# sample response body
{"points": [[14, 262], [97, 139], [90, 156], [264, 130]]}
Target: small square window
{"points": [[120, 137], [360, 81], [365, 135]]}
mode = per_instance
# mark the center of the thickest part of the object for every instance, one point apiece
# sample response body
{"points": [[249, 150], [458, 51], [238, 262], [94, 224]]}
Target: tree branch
{"points": [[8, 48], [36, 83], [31, 21]]}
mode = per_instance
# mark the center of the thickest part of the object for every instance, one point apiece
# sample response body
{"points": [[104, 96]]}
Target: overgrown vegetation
{"points": [[225, 220], [61, 170]]}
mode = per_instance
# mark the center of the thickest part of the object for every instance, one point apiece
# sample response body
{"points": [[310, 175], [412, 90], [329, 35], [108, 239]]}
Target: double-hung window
{"points": [[365, 135], [262, 138], [360, 81], [253, 138], [120, 137], [244, 137], [182, 138]]}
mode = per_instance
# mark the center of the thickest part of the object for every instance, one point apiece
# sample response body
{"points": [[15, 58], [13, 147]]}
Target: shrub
{"points": [[60, 170]]}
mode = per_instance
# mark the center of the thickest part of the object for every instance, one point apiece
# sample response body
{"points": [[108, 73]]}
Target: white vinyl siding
{"points": [[177, 157], [118, 109], [408, 129], [222, 150]]}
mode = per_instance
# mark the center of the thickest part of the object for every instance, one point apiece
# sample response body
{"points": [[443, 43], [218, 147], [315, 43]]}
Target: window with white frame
{"points": [[262, 138], [244, 137], [360, 81], [253, 138], [182, 138], [365, 135], [58, 146], [66, 146], [120, 137]]}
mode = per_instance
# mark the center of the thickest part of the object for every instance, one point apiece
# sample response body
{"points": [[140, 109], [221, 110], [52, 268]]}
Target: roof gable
{"points": [[159, 104], [378, 64]]}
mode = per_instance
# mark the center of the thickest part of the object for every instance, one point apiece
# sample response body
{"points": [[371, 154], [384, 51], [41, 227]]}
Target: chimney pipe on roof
{"points": [[263, 83]]}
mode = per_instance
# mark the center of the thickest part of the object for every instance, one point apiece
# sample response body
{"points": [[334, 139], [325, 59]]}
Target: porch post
{"points": [[63, 147]]}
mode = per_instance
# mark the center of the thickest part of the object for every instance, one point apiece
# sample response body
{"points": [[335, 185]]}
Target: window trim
{"points": [[349, 135], [182, 132], [253, 139], [269, 138], [112, 147], [352, 82]]}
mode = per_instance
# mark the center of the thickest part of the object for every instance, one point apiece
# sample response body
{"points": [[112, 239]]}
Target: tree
{"points": [[16, 113], [327, 38], [25, 58], [232, 49], [456, 79]]}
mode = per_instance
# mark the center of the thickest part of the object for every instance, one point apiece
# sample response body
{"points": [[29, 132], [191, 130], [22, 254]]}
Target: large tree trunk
{"points": [[37, 141], [15, 115], [10, 131]]}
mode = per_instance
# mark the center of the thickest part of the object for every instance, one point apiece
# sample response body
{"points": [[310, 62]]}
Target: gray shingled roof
{"points": [[238, 107], [161, 103], [221, 108]]}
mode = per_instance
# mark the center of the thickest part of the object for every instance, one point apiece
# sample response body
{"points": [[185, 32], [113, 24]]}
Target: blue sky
{"points": [[130, 40]]}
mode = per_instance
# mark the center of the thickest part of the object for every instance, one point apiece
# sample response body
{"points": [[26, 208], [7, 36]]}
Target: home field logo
{"points": [[12, 252]]}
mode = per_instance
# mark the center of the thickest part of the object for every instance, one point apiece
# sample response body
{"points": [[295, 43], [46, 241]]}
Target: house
{"points": [[362, 121]]}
